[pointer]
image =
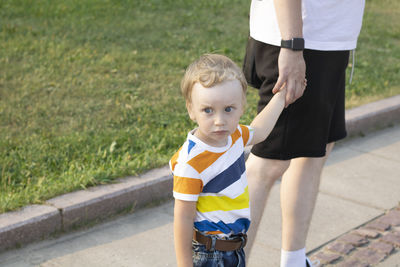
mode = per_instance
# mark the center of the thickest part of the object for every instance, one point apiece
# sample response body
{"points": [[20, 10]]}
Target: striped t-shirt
{"points": [[215, 177]]}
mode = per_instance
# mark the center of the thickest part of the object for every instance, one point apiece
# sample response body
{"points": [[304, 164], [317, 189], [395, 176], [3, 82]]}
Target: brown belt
{"points": [[220, 244]]}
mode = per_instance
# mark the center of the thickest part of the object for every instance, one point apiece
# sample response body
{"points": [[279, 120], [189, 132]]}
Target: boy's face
{"points": [[216, 110]]}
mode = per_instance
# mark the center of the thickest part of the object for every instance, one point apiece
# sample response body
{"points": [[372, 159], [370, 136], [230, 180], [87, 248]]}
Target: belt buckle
{"points": [[211, 243]]}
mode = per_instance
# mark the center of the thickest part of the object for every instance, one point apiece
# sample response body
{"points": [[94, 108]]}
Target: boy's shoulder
{"points": [[185, 153]]}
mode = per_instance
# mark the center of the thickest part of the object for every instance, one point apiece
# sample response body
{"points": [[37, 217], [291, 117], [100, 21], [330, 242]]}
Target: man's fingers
{"points": [[278, 85], [302, 86], [299, 90], [295, 90]]}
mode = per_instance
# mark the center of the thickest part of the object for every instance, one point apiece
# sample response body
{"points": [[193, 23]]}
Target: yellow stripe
{"points": [[224, 203]]}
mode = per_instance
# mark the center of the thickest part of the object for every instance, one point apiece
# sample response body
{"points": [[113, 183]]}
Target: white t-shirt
{"points": [[327, 24]]}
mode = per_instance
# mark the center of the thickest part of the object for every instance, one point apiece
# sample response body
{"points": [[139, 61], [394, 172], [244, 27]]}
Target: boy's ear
{"points": [[190, 111]]}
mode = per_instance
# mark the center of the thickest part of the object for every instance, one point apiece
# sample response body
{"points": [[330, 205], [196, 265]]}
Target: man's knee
{"points": [[265, 170]]}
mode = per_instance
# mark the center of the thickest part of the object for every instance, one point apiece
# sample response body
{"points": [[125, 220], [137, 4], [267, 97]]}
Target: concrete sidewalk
{"points": [[351, 195], [360, 183]]}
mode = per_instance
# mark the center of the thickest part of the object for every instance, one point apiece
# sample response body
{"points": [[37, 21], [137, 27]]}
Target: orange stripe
{"points": [[186, 185], [245, 134], [203, 160], [214, 232], [174, 159], [235, 136]]}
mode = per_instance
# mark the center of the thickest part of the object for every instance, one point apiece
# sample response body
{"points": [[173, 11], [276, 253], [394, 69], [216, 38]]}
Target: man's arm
{"points": [[184, 214], [291, 63], [265, 121]]}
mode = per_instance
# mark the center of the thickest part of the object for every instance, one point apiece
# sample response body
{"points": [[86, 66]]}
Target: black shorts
{"points": [[315, 119]]}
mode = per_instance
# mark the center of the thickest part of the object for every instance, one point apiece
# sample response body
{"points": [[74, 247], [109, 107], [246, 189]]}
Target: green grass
{"points": [[377, 67], [89, 90]]}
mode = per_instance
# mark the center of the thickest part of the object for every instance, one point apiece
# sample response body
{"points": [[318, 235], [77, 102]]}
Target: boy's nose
{"points": [[219, 119]]}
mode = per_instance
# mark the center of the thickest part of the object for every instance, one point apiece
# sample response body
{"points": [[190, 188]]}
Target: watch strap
{"points": [[296, 44]]}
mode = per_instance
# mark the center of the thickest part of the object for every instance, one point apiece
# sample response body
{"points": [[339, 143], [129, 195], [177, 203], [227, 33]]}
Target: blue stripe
{"points": [[227, 177], [239, 226], [191, 145]]}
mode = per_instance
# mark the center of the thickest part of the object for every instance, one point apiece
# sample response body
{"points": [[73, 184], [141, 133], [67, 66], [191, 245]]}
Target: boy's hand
{"points": [[281, 95], [292, 69]]}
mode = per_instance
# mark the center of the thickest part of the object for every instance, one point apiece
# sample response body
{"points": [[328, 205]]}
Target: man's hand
{"points": [[292, 72]]}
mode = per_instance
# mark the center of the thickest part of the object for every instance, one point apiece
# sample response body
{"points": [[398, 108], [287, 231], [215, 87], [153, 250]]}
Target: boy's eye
{"points": [[207, 110], [228, 109]]}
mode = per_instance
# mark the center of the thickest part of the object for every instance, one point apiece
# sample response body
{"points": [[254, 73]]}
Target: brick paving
{"points": [[365, 246]]}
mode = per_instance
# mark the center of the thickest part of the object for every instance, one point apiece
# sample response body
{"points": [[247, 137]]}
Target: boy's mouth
{"points": [[220, 132]]}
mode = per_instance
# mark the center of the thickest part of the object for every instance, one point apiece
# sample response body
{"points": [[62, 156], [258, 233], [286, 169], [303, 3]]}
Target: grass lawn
{"points": [[89, 89]]}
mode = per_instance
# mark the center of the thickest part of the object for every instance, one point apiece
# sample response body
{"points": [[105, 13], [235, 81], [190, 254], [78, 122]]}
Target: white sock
{"points": [[295, 258]]}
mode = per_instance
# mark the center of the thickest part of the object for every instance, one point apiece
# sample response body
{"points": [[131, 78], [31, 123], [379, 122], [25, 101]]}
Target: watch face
{"points": [[298, 44]]}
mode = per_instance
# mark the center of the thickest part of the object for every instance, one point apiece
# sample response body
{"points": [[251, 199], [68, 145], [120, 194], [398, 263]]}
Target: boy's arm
{"points": [[184, 214], [265, 121]]}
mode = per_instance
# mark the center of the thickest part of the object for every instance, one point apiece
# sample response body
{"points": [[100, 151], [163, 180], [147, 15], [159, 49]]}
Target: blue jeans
{"points": [[207, 258]]}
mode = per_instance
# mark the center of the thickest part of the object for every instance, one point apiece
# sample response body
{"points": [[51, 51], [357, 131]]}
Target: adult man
{"points": [[292, 40]]}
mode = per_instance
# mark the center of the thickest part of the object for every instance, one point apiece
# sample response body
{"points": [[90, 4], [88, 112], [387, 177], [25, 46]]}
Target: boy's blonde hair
{"points": [[209, 70]]}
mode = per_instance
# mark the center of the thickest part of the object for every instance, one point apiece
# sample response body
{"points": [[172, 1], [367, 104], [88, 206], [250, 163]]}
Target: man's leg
{"points": [[261, 176], [299, 190]]}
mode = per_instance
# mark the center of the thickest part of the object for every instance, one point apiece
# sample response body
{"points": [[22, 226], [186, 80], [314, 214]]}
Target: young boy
{"points": [[211, 213]]}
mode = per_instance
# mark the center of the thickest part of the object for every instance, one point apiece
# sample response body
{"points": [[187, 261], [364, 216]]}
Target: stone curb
{"points": [[72, 210], [375, 115]]}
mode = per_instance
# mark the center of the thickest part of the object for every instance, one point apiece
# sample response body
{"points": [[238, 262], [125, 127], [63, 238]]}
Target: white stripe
{"points": [[186, 197], [184, 155], [225, 216], [185, 170], [235, 189], [251, 134], [223, 162]]}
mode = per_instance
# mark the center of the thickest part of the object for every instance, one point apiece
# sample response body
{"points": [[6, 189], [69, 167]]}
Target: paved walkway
{"points": [[360, 184]]}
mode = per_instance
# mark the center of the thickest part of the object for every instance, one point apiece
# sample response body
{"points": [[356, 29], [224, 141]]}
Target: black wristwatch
{"points": [[296, 44]]}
